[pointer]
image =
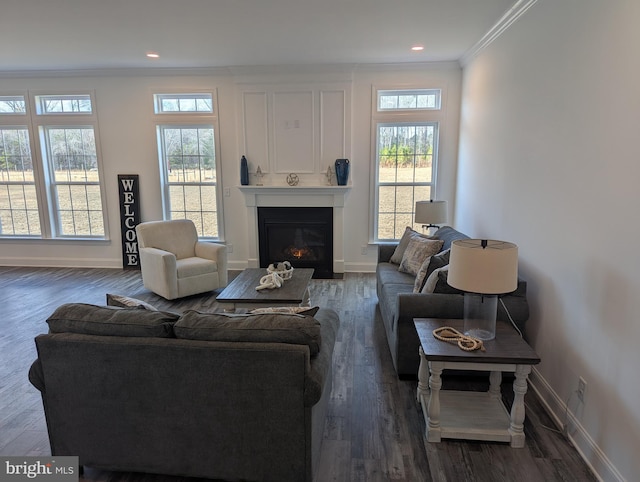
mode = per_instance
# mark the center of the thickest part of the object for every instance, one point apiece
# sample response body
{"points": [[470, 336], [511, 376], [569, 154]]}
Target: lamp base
{"points": [[480, 315]]}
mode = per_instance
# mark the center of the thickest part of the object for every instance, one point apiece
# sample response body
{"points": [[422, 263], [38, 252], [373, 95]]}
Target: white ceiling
{"points": [[104, 34]]}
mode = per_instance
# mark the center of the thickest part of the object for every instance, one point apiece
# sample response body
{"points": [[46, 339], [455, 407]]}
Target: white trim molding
{"points": [[510, 16], [563, 416]]}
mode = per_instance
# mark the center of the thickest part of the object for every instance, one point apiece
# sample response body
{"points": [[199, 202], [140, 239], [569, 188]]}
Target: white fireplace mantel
{"points": [[292, 196]]}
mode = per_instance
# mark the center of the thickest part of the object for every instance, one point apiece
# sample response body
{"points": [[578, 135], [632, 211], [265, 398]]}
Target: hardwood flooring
{"points": [[374, 430]]}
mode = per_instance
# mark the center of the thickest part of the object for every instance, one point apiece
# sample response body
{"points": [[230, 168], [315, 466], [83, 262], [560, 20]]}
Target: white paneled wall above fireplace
{"points": [[297, 128]]}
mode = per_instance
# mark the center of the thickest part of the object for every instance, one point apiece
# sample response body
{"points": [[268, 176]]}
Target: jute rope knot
{"points": [[464, 342]]}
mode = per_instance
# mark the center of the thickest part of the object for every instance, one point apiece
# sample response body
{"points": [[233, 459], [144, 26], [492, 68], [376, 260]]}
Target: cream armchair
{"points": [[175, 264]]}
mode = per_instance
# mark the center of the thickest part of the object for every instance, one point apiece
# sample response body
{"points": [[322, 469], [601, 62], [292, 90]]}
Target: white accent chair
{"points": [[175, 264]]}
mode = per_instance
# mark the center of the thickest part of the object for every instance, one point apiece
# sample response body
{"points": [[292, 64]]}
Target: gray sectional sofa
{"points": [[197, 394], [399, 305]]}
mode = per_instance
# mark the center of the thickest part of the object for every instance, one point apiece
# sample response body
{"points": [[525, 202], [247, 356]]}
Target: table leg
{"points": [[516, 428], [423, 378], [433, 409], [306, 298], [495, 379]]}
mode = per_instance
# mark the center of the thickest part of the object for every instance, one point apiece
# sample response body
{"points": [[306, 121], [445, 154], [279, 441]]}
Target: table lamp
{"points": [[482, 269], [431, 213]]}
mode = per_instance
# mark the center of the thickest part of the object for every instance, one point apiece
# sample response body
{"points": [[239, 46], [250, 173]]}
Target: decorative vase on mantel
{"points": [[244, 171], [342, 171]]}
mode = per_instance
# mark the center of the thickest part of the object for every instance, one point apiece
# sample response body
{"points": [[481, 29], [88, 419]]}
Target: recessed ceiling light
{"points": [[153, 55], [417, 48]]}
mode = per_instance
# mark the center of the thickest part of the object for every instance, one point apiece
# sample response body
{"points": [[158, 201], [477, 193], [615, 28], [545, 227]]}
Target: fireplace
{"points": [[301, 235]]}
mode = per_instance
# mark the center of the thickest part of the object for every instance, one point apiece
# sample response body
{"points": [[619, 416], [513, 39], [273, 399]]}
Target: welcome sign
{"points": [[129, 219]]}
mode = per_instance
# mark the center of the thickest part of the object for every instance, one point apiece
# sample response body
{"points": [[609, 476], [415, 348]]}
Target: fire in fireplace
{"points": [[301, 235]]}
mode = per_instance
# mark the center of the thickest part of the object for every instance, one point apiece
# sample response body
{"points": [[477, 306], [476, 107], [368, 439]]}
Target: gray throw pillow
{"points": [[396, 257], [418, 250], [128, 302]]}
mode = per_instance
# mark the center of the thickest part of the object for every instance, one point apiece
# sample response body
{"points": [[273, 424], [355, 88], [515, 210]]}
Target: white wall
{"points": [[127, 133], [548, 159]]}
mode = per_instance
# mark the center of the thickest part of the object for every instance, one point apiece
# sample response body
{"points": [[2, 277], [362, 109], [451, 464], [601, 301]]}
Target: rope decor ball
{"points": [[292, 179]]}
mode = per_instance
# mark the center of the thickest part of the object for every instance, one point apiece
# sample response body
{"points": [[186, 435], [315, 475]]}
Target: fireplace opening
{"points": [[301, 235]]}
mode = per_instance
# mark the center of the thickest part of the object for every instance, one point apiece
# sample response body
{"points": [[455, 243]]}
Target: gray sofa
{"points": [[399, 305], [197, 394]]}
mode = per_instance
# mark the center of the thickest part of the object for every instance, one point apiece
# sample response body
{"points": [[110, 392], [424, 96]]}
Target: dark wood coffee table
{"points": [[465, 414], [242, 293]]}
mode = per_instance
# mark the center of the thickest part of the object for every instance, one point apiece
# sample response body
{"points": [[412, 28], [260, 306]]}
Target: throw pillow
{"points": [[421, 277], [438, 261], [418, 250], [253, 328], [437, 283], [111, 321], [432, 280], [287, 310], [396, 257], [127, 302]]}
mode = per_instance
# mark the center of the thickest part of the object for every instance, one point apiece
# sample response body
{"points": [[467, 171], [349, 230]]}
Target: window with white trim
{"points": [[187, 151], [406, 153], [50, 183]]}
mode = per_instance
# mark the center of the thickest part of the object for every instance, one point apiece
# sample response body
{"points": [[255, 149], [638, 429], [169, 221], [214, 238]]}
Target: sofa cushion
{"points": [[448, 235], [89, 319], [194, 266], [128, 302], [257, 328], [418, 250], [398, 253], [387, 273]]}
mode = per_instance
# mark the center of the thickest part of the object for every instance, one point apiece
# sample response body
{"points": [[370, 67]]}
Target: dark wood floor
{"points": [[374, 430]]}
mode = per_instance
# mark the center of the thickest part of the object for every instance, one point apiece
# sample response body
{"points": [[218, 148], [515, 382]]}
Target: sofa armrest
{"points": [[159, 272], [215, 252], [36, 377], [385, 251]]}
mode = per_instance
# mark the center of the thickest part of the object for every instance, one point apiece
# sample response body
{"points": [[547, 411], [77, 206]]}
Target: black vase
{"points": [[244, 172], [342, 171]]}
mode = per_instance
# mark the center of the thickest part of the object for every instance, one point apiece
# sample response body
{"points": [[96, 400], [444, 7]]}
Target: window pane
{"points": [[18, 202], [80, 210], [187, 103], [73, 154], [19, 210], [409, 99], [12, 104], [63, 104]]}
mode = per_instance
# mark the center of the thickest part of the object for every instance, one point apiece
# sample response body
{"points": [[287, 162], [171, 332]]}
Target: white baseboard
{"points": [[48, 262], [360, 267], [560, 411]]}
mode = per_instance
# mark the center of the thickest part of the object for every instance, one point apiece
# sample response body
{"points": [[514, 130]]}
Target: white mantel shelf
{"points": [[292, 189], [311, 195], [307, 196]]}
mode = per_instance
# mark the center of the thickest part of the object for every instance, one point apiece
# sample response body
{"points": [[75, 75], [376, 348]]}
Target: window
{"points": [[406, 158], [409, 99], [187, 149], [19, 215], [52, 190]]}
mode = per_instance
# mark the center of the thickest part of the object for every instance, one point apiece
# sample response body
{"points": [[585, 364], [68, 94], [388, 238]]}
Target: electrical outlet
{"points": [[364, 250], [229, 248], [227, 192], [582, 389]]}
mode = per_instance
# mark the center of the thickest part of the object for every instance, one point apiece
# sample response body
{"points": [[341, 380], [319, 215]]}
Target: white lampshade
{"points": [[489, 269], [431, 212]]}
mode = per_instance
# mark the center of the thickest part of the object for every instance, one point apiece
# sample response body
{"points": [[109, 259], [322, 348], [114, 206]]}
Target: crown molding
{"points": [[115, 72], [513, 14]]}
